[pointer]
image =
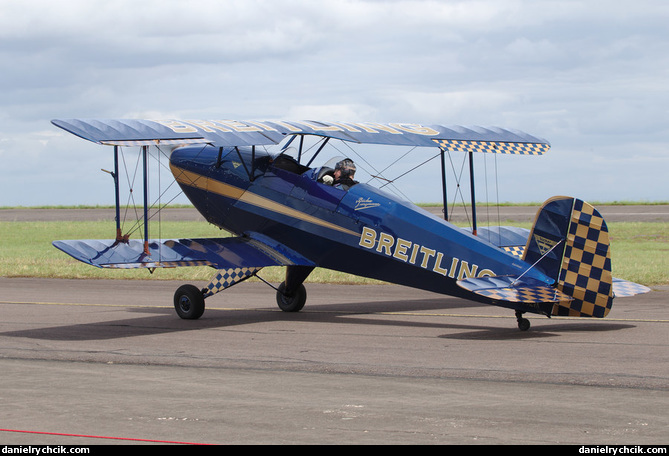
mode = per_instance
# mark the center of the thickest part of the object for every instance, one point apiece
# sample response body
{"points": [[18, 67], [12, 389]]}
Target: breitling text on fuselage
{"points": [[421, 255]]}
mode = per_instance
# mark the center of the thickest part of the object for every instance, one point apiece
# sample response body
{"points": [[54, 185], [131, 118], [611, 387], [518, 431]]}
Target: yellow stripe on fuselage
{"points": [[230, 191]]}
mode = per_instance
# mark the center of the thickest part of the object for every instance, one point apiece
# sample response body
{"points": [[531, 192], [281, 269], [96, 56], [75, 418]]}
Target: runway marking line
{"points": [[101, 437], [417, 314], [78, 304]]}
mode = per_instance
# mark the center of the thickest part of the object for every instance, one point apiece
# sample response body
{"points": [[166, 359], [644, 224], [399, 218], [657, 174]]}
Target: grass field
{"points": [[26, 251], [640, 253]]}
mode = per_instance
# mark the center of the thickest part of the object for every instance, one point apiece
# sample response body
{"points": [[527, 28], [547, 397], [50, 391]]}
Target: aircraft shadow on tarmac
{"points": [[389, 314]]}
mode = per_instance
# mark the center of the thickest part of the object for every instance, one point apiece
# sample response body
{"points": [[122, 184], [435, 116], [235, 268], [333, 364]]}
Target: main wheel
{"points": [[189, 302], [293, 303]]}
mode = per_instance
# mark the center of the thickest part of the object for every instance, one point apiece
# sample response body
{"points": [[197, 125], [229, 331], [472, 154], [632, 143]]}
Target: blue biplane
{"points": [[284, 212]]}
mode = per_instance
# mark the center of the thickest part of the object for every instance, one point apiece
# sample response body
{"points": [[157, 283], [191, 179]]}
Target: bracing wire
{"points": [[131, 196], [412, 169], [458, 192], [156, 205], [380, 173], [377, 174]]}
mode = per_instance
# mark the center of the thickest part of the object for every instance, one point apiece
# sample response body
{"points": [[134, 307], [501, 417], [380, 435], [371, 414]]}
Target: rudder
{"points": [[570, 242], [586, 267]]}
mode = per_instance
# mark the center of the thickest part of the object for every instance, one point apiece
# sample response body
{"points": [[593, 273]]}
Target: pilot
{"points": [[343, 175]]}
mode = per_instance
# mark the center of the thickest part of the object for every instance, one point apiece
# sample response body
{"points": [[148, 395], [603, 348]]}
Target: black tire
{"points": [[292, 303], [523, 324], [189, 302]]}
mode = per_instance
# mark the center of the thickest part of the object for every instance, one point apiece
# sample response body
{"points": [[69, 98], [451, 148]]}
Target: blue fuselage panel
{"points": [[362, 231]]}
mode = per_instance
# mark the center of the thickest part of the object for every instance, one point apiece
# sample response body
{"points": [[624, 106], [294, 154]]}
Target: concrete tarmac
{"points": [[89, 362]]}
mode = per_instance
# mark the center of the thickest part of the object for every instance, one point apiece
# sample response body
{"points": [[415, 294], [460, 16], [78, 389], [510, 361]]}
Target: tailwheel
{"points": [[292, 302], [189, 302], [523, 323]]}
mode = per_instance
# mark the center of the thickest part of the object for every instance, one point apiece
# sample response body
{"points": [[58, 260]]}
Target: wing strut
{"points": [[120, 237], [145, 159], [471, 181], [443, 183], [471, 185], [119, 233]]}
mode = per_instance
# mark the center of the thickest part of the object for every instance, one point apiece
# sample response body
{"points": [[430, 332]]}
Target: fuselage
{"points": [[362, 231]]}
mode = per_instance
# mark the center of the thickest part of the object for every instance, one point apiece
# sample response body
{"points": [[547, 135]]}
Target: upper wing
{"points": [[230, 133], [254, 251]]}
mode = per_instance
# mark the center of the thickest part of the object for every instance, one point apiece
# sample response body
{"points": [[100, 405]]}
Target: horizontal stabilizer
{"points": [[624, 289], [570, 243], [514, 289], [221, 253]]}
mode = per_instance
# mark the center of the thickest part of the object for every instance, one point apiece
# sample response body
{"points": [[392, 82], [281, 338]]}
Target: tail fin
{"points": [[569, 243], [581, 264]]}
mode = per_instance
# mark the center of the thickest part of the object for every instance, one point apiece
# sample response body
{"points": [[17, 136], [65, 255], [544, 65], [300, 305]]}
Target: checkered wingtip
{"points": [[493, 147]]}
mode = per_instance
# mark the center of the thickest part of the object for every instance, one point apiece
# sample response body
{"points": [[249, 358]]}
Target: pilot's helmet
{"points": [[346, 166]]}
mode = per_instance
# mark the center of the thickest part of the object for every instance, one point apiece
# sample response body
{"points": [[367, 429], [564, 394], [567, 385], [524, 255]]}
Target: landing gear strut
{"points": [[290, 295], [523, 323]]}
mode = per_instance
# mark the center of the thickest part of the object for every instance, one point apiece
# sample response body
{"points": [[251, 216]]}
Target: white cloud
{"points": [[587, 75]]}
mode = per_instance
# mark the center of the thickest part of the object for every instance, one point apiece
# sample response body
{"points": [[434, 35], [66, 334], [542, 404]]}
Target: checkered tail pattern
{"points": [[586, 265]]}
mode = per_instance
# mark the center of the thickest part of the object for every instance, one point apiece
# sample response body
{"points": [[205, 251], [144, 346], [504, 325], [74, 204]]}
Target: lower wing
{"points": [[254, 251]]}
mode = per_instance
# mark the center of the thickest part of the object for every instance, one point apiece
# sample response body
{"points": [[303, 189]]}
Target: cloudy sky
{"points": [[592, 77]]}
